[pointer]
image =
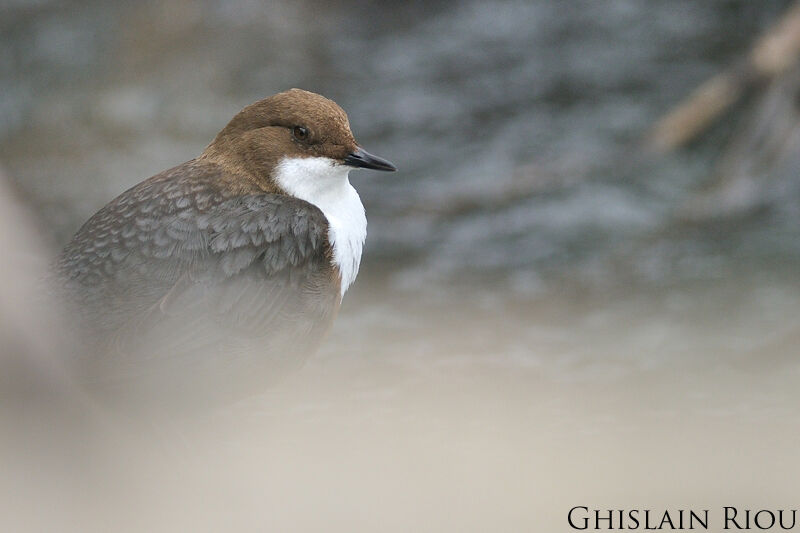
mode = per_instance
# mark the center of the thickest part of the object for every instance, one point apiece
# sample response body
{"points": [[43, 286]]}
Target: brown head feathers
{"points": [[294, 123]]}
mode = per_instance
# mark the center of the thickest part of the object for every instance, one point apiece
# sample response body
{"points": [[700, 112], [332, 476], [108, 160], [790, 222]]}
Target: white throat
{"points": [[324, 183]]}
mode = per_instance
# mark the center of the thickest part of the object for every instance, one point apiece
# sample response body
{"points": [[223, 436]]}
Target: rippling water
{"points": [[470, 100], [465, 97]]}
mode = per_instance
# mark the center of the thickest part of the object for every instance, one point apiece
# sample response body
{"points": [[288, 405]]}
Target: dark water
{"points": [[470, 100]]}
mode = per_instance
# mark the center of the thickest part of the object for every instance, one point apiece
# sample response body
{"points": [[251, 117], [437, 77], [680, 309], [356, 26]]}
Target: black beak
{"points": [[362, 159]]}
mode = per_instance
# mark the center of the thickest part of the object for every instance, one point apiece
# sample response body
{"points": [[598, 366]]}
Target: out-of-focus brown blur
{"points": [[581, 288]]}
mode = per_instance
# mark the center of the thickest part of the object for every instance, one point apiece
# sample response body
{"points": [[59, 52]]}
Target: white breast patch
{"points": [[323, 182]]}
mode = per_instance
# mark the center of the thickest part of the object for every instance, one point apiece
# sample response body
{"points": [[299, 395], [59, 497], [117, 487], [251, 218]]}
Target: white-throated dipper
{"points": [[214, 276]]}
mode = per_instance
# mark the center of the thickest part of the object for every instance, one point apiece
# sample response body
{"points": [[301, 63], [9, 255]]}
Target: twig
{"points": [[774, 53]]}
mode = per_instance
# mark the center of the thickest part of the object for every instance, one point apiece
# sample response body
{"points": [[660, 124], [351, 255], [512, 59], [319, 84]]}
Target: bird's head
{"points": [[293, 139]]}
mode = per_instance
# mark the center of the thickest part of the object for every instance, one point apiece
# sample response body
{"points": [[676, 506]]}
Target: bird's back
{"points": [[186, 285]]}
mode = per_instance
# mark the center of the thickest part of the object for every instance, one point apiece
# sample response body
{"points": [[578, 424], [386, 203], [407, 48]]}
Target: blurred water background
{"points": [[527, 249], [515, 125]]}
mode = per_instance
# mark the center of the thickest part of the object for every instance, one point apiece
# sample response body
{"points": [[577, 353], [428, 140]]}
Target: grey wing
{"points": [[230, 296]]}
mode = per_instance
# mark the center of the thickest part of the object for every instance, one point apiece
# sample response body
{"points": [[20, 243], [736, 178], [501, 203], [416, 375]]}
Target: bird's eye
{"points": [[300, 133]]}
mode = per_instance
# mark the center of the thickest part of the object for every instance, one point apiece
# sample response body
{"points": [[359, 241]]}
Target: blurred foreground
{"points": [[452, 452], [446, 418]]}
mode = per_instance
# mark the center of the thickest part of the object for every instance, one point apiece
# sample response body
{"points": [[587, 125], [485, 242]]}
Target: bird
{"points": [[209, 280]]}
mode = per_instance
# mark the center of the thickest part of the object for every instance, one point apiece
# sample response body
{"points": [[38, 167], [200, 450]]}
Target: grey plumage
{"points": [[182, 283]]}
